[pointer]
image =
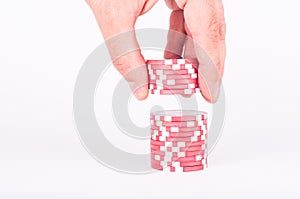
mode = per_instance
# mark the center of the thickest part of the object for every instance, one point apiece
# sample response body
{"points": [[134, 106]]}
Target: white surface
{"points": [[44, 43]]}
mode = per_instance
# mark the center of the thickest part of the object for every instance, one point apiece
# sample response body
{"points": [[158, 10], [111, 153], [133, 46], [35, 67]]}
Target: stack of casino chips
{"points": [[173, 76], [178, 140]]}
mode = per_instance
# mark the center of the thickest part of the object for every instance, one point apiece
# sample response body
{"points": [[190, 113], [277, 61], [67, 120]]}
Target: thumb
{"points": [[205, 35], [129, 61], [116, 23]]}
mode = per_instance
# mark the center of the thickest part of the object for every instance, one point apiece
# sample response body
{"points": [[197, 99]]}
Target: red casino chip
{"points": [[179, 154], [178, 163], [177, 144], [171, 67], [172, 61], [178, 116], [179, 169], [179, 129], [179, 139], [187, 91], [173, 82], [173, 72], [178, 124], [188, 169], [171, 134], [170, 87], [178, 149], [180, 159], [166, 77]]}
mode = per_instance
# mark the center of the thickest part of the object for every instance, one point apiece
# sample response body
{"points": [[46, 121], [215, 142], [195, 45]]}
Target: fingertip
{"points": [[186, 96], [141, 93], [210, 98]]}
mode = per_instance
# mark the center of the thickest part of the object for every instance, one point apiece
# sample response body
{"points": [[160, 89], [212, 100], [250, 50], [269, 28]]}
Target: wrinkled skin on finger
{"points": [[203, 22]]}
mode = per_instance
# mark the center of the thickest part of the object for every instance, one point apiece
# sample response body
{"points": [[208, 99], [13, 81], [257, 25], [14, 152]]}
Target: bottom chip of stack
{"points": [[178, 169]]}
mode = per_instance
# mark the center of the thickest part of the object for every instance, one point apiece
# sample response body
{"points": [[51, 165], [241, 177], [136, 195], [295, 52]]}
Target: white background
{"points": [[42, 47]]}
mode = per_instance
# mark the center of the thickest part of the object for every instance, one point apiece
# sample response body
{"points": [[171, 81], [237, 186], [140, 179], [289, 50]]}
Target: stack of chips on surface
{"points": [[178, 140], [173, 76]]}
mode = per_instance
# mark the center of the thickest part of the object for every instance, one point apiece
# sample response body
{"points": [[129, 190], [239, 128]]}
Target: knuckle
{"points": [[213, 27], [222, 31]]}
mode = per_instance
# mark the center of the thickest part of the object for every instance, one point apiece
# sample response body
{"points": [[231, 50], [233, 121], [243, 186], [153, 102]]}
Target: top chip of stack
{"points": [[173, 76]]}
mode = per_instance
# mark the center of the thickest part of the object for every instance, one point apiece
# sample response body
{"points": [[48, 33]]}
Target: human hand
{"points": [[209, 33], [204, 23], [115, 17]]}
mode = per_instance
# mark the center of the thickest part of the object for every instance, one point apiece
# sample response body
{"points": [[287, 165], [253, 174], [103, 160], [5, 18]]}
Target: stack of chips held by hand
{"points": [[178, 140], [173, 76]]}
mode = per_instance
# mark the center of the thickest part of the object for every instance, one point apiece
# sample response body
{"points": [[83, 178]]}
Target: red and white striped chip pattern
{"points": [[182, 74], [178, 149], [187, 91], [173, 61], [172, 72], [185, 154], [192, 138], [174, 82], [180, 154], [179, 124], [167, 77], [177, 164], [176, 144], [171, 66], [178, 169], [178, 115], [176, 129], [171, 134], [180, 139], [170, 87], [181, 159], [177, 156]]}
